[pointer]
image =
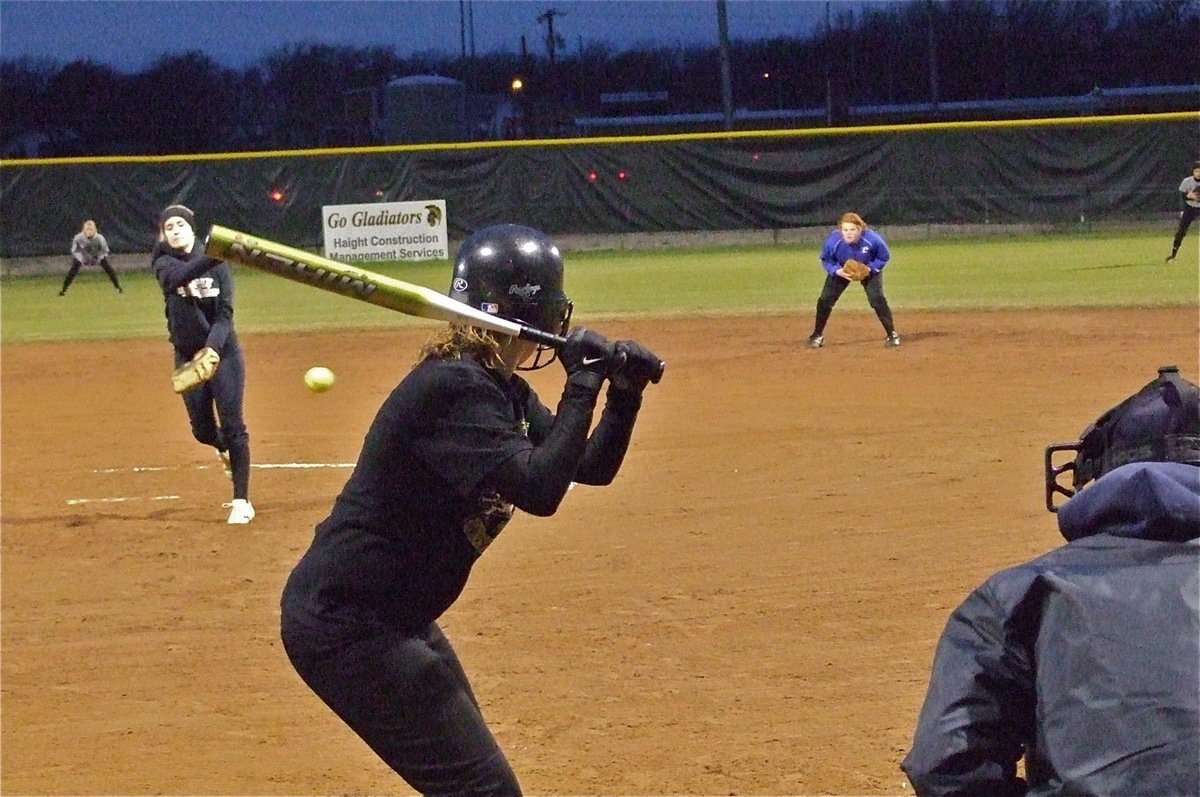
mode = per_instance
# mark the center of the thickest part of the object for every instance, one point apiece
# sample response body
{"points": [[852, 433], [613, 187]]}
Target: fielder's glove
{"points": [[856, 271], [196, 371]]}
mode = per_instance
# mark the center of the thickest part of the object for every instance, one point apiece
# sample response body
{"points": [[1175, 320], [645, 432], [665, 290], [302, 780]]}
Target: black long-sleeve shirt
{"points": [[452, 451], [198, 292]]}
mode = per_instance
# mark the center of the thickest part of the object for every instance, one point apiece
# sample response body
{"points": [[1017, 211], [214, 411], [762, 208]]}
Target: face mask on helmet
{"points": [[514, 272], [1159, 423]]}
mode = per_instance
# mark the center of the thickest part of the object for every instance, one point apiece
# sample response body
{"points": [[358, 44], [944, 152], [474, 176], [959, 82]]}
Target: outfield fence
{"points": [[1029, 172]]}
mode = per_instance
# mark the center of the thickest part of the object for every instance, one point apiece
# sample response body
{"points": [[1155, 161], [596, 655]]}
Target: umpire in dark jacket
{"points": [[1085, 661]]}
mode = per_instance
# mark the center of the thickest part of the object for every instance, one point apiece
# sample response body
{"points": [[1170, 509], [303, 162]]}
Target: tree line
{"points": [[940, 51]]}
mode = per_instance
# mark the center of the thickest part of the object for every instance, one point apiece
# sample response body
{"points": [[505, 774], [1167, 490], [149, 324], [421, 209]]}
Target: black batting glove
{"points": [[587, 354], [634, 366]]}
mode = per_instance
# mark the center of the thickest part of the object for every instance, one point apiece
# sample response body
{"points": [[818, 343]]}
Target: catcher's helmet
{"points": [[514, 272], [1159, 423]]}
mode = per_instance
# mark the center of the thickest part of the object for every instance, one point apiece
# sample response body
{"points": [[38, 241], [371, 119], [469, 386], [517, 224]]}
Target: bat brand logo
{"points": [[302, 272], [460, 285], [525, 291]]}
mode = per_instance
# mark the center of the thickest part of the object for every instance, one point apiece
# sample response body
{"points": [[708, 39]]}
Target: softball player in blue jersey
{"points": [[853, 240], [459, 444], [198, 291]]}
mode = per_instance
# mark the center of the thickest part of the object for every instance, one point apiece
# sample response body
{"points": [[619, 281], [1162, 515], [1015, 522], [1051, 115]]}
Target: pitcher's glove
{"points": [[196, 371], [856, 271]]}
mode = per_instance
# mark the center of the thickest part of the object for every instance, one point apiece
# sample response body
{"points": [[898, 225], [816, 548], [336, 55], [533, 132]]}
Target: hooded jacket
{"points": [[1085, 660]]}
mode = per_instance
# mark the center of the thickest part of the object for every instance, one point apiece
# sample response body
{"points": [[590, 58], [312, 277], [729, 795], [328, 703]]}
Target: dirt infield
{"points": [[750, 609]]}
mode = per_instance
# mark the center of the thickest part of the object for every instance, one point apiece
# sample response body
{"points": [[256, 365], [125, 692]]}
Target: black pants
{"points": [[833, 289], [215, 411], [1185, 220], [406, 695], [78, 264]]}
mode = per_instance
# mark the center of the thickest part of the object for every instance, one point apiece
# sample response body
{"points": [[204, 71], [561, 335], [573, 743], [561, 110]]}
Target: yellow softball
{"points": [[319, 379]]}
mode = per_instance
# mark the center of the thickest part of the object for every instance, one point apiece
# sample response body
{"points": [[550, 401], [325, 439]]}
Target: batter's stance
{"points": [[459, 444], [198, 291], [853, 240]]}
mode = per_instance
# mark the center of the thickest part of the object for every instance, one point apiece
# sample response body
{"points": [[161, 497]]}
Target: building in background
{"points": [[423, 109]]}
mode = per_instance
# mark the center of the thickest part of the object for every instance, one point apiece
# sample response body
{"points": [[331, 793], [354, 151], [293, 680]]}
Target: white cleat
{"points": [[241, 513]]}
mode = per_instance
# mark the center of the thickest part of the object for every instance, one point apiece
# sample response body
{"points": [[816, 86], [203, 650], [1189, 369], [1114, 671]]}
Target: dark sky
{"points": [[131, 34]]}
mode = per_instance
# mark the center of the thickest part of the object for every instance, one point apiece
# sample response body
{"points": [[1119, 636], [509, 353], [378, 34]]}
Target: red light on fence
{"points": [[622, 175], [592, 176], [277, 195], [378, 193], [754, 157]]}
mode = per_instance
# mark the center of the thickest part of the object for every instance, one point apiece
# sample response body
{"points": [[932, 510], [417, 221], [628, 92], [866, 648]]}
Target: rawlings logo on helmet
{"points": [[524, 292]]}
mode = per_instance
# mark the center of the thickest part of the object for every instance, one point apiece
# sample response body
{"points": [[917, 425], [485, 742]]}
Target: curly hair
{"points": [[458, 340]]}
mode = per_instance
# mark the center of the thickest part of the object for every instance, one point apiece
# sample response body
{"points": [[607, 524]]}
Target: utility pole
{"points": [[723, 47], [471, 26], [933, 64], [828, 49], [547, 19]]}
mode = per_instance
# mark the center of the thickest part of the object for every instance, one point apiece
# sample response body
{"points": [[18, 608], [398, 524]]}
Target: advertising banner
{"points": [[386, 231]]}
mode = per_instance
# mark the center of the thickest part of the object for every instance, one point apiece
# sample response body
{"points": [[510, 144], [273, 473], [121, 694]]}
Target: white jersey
{"points": [[89, 250], [1189, 185]]}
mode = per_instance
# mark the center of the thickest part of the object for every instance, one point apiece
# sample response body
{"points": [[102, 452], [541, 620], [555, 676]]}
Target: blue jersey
{"points": [[869, 249]]}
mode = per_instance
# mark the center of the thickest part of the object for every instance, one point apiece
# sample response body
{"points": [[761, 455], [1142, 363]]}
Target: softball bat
{"points": [[366, 286]]}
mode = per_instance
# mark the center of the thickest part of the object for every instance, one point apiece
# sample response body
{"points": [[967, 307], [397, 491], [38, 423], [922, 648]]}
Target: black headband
{"points": [[181, 211]]}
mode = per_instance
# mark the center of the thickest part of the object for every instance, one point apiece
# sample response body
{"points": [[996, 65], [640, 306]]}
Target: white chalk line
{"points": [[153, 469], [120, 500], [262, 465]]}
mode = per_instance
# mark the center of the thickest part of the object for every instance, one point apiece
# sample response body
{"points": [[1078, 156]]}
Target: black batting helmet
{"points": [[514, 272], [1159, 423]]}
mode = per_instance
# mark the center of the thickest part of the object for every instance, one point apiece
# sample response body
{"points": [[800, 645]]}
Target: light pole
{"points": [[778, 84], [723, 48]]}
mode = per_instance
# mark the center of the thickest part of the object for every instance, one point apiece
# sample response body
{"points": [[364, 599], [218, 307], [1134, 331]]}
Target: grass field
{"points": [[1062, 270]]}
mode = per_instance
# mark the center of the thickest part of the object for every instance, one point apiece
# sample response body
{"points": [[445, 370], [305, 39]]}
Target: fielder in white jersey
{"points": [[1189, 190]]}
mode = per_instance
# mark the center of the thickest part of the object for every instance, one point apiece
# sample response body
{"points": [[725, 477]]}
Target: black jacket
{"points": [[453, 451], [1085, 660], [198, 292]]}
